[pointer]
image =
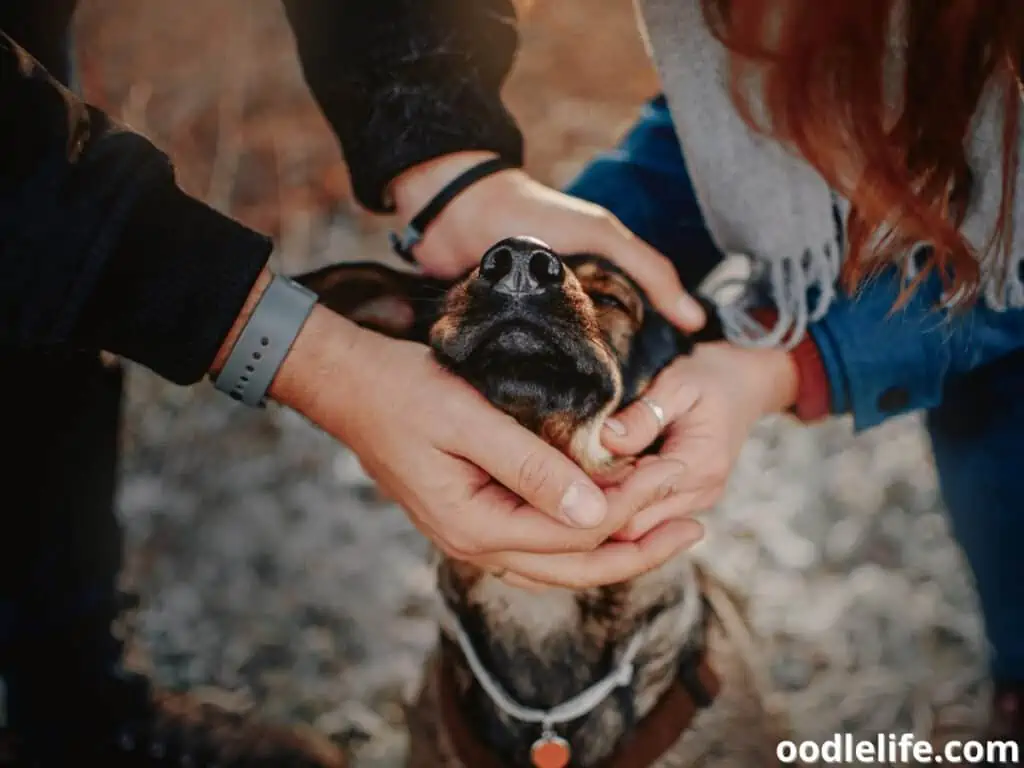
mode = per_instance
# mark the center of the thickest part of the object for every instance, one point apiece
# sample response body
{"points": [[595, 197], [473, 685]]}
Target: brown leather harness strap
{"points": [[651, 739], [664, 724]]}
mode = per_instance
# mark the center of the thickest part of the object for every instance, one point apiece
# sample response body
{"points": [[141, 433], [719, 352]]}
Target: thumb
{"points": [[638, 425], [631, 430], [536, 472]]}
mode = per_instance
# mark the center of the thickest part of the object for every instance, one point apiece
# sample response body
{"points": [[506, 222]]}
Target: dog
{"points": [[652, 673]]}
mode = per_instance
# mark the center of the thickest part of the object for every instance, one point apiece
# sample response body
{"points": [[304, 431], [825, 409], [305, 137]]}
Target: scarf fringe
{"points": [[791, 283]]}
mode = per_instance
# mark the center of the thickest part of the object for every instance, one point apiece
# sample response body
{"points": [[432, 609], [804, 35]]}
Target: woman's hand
{"points": [[480, 486], [511, 203], [710, 400]]}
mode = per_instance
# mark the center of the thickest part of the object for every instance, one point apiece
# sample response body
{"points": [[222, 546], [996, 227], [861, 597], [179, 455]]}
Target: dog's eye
{"points": [[608, 301]]}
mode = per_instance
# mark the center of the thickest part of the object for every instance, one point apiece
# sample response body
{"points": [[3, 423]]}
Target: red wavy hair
{"points": [[819, 68]]}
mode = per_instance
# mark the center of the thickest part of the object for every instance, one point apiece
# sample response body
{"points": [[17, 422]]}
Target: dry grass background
{"points": [[267, 564]]}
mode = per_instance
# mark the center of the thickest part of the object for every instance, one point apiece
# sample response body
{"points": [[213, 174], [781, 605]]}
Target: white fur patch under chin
{"points": [[537, 615], [586, 447]]}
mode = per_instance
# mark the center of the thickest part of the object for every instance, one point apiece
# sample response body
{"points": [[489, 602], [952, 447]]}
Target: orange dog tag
{"points": [[550, 751]]}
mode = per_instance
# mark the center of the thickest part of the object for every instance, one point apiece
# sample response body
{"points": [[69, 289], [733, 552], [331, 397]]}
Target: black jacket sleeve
{"points": [[99, 248], [405, 81]]}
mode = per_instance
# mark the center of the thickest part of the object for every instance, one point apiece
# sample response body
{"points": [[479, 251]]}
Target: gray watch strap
{"points": [[265, 340]]}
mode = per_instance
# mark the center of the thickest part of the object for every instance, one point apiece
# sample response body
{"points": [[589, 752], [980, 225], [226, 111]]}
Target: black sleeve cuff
{"points": [[446, 121], [405, 81], [174, 285]]}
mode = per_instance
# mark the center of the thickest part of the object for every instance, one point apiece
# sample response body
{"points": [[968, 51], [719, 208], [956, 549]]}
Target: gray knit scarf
{"points": [[761, 201]]}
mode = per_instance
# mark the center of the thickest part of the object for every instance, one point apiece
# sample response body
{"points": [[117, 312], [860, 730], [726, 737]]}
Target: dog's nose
{"points": [[521, 268]]}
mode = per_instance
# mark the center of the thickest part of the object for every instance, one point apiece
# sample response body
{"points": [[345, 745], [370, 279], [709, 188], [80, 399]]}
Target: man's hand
{"points": [[511, 203], [480, 486]]}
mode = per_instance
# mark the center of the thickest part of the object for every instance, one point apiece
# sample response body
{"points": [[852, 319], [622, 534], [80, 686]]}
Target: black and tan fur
{"points": [[561, 357]]}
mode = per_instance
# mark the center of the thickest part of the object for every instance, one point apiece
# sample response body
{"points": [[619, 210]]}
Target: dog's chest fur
{"points": [[534, 632]]}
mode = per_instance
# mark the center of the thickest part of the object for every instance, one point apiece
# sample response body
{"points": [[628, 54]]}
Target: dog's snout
{"points": [[521, 269]]}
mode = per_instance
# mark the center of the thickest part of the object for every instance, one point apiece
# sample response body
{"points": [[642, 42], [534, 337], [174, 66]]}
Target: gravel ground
{"points": [[268, 565]]}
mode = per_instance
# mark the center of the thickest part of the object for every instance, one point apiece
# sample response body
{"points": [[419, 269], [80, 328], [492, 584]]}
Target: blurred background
{"points": [[266, 562]]}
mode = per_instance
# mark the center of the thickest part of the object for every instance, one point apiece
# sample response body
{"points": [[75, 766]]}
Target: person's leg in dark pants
{"points": [[60, 544], [70, 701], [978, 439]]}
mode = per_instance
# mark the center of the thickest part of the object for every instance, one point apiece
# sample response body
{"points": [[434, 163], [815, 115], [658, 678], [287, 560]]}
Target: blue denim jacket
{"points": [[879, 363]]}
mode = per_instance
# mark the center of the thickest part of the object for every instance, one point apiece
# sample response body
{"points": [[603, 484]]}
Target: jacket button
{"points": [[894, 399]]}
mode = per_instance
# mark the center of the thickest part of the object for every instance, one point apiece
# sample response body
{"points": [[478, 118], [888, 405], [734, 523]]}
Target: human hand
{"points": [[511, 203], [711, 400], [480, 486]]}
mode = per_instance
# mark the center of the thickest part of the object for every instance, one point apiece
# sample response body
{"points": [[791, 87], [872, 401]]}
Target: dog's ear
{"points": [[402, 305]]}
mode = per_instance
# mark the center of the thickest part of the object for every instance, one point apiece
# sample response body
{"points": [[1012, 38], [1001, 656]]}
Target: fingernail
{"points": [[616, 426], [583, 506], [690, 312]]}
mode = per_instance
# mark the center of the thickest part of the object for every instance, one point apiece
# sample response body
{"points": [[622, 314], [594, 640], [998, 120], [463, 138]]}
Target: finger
{"points": [[611, 563], [658, 278], [651, 484], [679, 507], [530, 468], [649, 518], [495, 520], [628, 500], [683, 480], [651, 270], [637, 426], [521, 582]]}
